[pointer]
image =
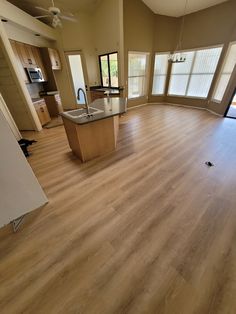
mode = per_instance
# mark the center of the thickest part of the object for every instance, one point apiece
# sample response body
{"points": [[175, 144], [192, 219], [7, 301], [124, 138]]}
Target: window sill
{"points": [[188, 97]]}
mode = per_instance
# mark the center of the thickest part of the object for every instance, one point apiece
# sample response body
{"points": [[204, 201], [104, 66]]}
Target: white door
{"points": [[77, 75]]}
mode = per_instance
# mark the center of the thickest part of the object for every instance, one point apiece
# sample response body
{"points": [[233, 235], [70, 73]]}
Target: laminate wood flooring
{"points": [[147, 229]]}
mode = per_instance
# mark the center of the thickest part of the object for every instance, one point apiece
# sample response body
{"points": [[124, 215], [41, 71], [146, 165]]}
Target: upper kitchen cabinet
{"points": [[39, 61], [26, 55], [19, 63], [54, 58]]}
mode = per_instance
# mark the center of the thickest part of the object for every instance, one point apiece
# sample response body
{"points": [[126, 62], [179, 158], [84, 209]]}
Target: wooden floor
{"points": [[146, 229]]}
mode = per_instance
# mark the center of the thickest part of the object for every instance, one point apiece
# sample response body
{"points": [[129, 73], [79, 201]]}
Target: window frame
{"points": [[109, 71], [147, 54], [166, 75], [194, 57], [220, 74]]}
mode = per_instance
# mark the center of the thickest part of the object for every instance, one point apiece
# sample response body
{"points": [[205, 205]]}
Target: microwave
{"points": [[35, 75]]}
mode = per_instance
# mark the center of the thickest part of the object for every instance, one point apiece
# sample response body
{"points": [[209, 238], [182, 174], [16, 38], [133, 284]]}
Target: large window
{"points": [[225, 74], [160, 74], [193, 77], [137, 74], [109, 69]]}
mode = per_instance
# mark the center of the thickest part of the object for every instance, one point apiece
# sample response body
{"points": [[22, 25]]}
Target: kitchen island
{"points": [[94, 134]]}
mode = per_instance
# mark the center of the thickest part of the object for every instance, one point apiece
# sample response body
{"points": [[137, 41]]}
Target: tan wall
{"points": [[139, 30], [165, 39], [95, 33], [11, 95], [15, 32], [106, 27]]}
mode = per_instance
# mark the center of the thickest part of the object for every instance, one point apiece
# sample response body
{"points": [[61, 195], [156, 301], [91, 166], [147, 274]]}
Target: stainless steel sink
{"points": [[80, 113]]}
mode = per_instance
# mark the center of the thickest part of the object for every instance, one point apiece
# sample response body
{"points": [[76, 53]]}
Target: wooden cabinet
{"points": [[54, 105], [39, 61], [42, 112], [19, 63], [28, 57], [54, 59], [96, 95]]}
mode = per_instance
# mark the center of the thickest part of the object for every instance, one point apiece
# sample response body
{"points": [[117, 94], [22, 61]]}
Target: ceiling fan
{"points": [[56, 15]]}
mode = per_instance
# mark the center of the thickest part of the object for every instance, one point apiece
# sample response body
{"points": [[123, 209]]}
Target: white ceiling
{"points": [[176, 8]]}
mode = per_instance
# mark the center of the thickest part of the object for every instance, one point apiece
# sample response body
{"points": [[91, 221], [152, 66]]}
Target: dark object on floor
{"points": [[24, 143], [209, 164]]}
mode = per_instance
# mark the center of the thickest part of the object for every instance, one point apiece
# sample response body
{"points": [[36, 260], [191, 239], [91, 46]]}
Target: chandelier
{"points": [[177, 56]]}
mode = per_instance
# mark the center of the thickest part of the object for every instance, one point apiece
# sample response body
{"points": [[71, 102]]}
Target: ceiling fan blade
{"points": [[68, 18], [41, 16], [42, 9]]}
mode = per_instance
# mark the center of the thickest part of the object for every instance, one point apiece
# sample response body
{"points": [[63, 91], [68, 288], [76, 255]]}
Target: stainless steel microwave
{"points": [[35, 75]]}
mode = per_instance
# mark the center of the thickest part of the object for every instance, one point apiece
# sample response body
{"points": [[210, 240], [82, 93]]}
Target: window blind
{"points": [[160, 74], [193, 77], [137, 74], [226, 73]]}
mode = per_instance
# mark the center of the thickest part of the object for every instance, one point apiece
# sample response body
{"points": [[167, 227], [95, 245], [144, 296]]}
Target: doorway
{"points": [[77, 75], [231, 110]]}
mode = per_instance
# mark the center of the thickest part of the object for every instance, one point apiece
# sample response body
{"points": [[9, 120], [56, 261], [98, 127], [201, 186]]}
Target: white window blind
{"points": [[226, 73], [137, 74], [160, 73], [193, 77], [180, 75]]}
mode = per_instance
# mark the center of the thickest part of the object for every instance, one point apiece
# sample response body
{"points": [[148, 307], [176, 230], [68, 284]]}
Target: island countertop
{"points": [[109, 107]]}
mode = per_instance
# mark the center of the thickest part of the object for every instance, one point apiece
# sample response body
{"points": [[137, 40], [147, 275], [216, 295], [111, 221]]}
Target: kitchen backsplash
{"points": [[34, 89]]}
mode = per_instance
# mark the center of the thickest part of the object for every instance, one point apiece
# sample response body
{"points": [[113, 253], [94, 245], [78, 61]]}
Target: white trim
{"points": [[186, 106], [133, 107], [182, 96]]}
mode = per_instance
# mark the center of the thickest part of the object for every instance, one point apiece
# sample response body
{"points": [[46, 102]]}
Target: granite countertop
{"points": [[109, 107], [35, 100], [112, 91]]}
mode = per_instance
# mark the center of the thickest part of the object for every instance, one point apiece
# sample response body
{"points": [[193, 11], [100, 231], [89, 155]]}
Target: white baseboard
{"points": [[186, 106], [133, 107]]}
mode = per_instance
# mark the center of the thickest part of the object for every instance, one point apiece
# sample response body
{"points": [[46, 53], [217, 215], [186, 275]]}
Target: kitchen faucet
{"points": [[85, 98]]}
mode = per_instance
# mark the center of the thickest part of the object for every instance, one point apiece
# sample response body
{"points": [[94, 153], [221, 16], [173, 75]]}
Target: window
{"points": [[137, 74], [193, 77], [109, 69], [160, 73], [225, 74]]}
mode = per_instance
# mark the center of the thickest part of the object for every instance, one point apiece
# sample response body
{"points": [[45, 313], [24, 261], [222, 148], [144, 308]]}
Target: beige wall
{"points": [[12, 97], [95, 33], [139, 30], [15, 32]]}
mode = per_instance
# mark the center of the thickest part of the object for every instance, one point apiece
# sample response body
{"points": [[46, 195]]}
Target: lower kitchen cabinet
{"points": [[54, 105], [42, 111]]}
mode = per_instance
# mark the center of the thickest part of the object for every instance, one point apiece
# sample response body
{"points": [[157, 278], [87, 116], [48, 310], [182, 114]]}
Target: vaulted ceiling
{"points": [[66, 6], [176, 8]]}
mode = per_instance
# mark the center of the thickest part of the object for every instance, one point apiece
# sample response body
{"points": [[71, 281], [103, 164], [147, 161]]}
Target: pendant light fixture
{"points": [[178, 56]]}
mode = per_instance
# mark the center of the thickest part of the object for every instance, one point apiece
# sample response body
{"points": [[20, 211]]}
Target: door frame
{"points": [[84, 68], [230, 103]]}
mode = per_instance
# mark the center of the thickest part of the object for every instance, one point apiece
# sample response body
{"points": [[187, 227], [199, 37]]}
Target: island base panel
{"points": [[91, 140]]}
